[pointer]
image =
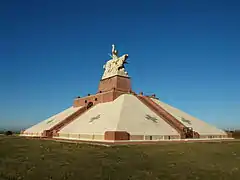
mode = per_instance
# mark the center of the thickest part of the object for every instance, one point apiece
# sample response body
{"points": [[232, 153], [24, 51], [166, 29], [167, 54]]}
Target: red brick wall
{"points": [[95, 99], [116, 135], [109, 89], [98, 98], [117, 82]]}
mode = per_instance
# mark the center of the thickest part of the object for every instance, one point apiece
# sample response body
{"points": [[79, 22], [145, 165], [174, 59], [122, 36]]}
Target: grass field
{"points": [[40, 159]]}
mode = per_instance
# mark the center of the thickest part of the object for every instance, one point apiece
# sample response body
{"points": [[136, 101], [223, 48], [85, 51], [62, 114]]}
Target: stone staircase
{"points": [[184, 131], [54, 130]]}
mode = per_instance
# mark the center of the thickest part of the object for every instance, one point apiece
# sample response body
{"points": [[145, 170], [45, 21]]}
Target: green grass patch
{"points": [[34, 159]]}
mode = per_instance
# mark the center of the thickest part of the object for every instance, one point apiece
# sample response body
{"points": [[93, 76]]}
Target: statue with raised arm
{"points": [[115, 66], [114, 52]]}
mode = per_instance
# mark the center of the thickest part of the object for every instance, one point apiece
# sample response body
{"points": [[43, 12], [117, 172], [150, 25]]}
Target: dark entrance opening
{"points": [[90, 104], [189, 132]]}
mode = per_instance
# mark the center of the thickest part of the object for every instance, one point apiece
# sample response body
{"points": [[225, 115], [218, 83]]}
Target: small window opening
{"points": [[95, 99]]}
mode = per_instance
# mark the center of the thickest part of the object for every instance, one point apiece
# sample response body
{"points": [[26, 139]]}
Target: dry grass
{"points": [[38, 160]]}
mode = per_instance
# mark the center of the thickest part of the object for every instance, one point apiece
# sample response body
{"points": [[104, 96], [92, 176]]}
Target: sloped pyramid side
{"points": [[138, 119], [47, 124], [203, 128], [126, 113]]}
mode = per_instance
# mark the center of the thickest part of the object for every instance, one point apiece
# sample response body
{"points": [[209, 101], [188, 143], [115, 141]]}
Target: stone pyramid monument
{"points": [[116, 113]]}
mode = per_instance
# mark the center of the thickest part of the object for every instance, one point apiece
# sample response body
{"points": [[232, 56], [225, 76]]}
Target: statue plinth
{"points": [[119, 83]]}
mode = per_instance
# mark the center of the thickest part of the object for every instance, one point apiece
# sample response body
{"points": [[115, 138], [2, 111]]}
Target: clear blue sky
{"points": [[187, 52]]}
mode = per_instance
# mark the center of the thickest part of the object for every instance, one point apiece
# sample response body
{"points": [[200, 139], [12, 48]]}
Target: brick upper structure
{"points": [[109, 89]]}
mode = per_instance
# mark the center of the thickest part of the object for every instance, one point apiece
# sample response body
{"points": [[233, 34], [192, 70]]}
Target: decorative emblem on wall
{"points": [[186, 120], [94, 118], [180, 118], [51, 120], [153, 119]]}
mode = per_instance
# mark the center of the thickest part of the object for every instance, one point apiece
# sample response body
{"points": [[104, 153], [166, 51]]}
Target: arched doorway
{"points": [[90, 104]]}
